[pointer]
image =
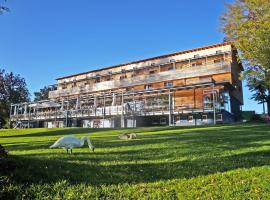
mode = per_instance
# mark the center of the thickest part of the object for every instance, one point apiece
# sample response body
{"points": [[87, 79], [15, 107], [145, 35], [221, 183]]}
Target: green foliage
{"points": [[219, 162], [13, 89], [3, 152], [247, 24], [43, 94], [247, 115]]}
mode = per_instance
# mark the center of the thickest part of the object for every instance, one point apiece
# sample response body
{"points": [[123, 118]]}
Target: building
{"points": [[192, 87]]}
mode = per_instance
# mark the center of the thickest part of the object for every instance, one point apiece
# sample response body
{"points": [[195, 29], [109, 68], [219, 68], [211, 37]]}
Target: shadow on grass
{"points": [[31, 170], [166, 155]]}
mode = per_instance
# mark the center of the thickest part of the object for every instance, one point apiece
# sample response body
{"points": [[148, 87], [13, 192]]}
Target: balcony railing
{"points": [[203, 70]]}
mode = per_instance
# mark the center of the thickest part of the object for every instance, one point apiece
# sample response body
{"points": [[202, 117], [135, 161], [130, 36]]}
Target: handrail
{"points": [[203, 70]]}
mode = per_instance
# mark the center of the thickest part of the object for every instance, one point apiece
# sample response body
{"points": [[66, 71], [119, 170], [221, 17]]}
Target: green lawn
{"points": [[220, 162]]}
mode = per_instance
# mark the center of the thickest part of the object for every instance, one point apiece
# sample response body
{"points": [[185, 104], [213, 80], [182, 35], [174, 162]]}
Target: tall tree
{"points": [[247, 24], [42, 94], [13, 89], [259, 91]]}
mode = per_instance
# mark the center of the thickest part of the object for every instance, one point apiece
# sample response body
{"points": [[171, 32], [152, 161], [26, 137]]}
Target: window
{"points": [[74, 85], [170, 68], [168, 84], [163, 120], [196, 64], [218, 60], [128, 89], [148, 87], [190, 118], [219, 117], [97, 80], [204, 118], [196, 56], [218, 52], [152, 72], [123, 77], [208, 101]]}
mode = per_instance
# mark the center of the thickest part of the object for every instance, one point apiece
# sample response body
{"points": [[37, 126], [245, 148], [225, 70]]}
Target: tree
{"points": [[13, 89], [42, 94], [260, 91], [247, 24]]}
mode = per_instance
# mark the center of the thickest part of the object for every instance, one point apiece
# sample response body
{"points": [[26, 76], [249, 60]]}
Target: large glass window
{"points": [[225, 101], [209, 98], [208, 101]]}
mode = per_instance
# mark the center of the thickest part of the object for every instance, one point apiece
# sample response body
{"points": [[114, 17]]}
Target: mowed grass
{"points": [[219, 162]]}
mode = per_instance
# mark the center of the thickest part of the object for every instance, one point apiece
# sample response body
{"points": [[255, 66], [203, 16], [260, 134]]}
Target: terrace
{"points": [[195, 71]]}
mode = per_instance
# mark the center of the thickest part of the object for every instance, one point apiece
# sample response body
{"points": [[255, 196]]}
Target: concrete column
{"points": [[104, 108], [133, 112], [194, 98], [173, 65], [15, 110], [122, 113], [214, 106], [25, 109], [170, 108], [77, 103]]}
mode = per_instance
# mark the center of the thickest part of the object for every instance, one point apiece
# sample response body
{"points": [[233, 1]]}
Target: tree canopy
{"points": [[42, 94], [13, 89], [247, 24]]}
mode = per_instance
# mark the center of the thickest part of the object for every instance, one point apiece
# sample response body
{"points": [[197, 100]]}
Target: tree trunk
{"points": [[268, 106], [268, 102]]}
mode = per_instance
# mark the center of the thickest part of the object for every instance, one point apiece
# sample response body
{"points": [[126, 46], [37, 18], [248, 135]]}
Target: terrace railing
{"points": [[202, 70]]}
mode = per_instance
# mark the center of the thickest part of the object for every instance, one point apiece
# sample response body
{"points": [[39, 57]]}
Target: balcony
{"points": [[204, 70]]}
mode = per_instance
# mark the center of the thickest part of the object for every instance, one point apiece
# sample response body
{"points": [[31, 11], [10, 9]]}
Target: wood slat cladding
{"points": [[222, 77], [184, 99], [140, 78]]}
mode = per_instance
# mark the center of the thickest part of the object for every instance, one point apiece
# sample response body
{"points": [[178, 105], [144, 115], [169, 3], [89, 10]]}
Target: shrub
{"points": [[3, 152]]}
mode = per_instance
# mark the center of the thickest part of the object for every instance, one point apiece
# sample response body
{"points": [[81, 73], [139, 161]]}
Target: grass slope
{"points": [[220, 162]]}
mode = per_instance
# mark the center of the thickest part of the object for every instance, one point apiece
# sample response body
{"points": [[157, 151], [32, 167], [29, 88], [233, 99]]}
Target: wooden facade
{"points": [[197, 86]]}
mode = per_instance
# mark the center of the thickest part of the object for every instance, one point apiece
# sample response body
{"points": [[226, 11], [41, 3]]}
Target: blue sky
{"points": [[43, 40]]}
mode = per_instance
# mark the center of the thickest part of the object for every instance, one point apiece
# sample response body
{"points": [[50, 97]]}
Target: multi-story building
{"points": [[192, 87]]}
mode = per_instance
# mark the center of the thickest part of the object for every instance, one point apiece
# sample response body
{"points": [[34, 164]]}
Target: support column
{"points": [[214, 106], [77, 103], [194, 101], [67, 113], [170, 108], [15, 110], [95, 105], [122, 113], [173, 65], [25, 112], [173, 107], [133, 112], [104, 108]]}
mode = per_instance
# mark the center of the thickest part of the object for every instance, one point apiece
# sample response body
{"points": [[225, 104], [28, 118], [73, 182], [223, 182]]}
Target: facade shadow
{"points": [[95, 173]]}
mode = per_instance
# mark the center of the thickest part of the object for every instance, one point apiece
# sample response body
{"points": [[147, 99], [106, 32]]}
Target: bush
{"points": [[257, 118], [3, 152]]}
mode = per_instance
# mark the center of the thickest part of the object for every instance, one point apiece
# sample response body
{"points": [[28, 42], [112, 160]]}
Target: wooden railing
{"points": [[203, 70]]}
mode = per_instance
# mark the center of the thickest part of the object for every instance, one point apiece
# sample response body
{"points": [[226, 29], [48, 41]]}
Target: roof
{"points": [[152, 58]]}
